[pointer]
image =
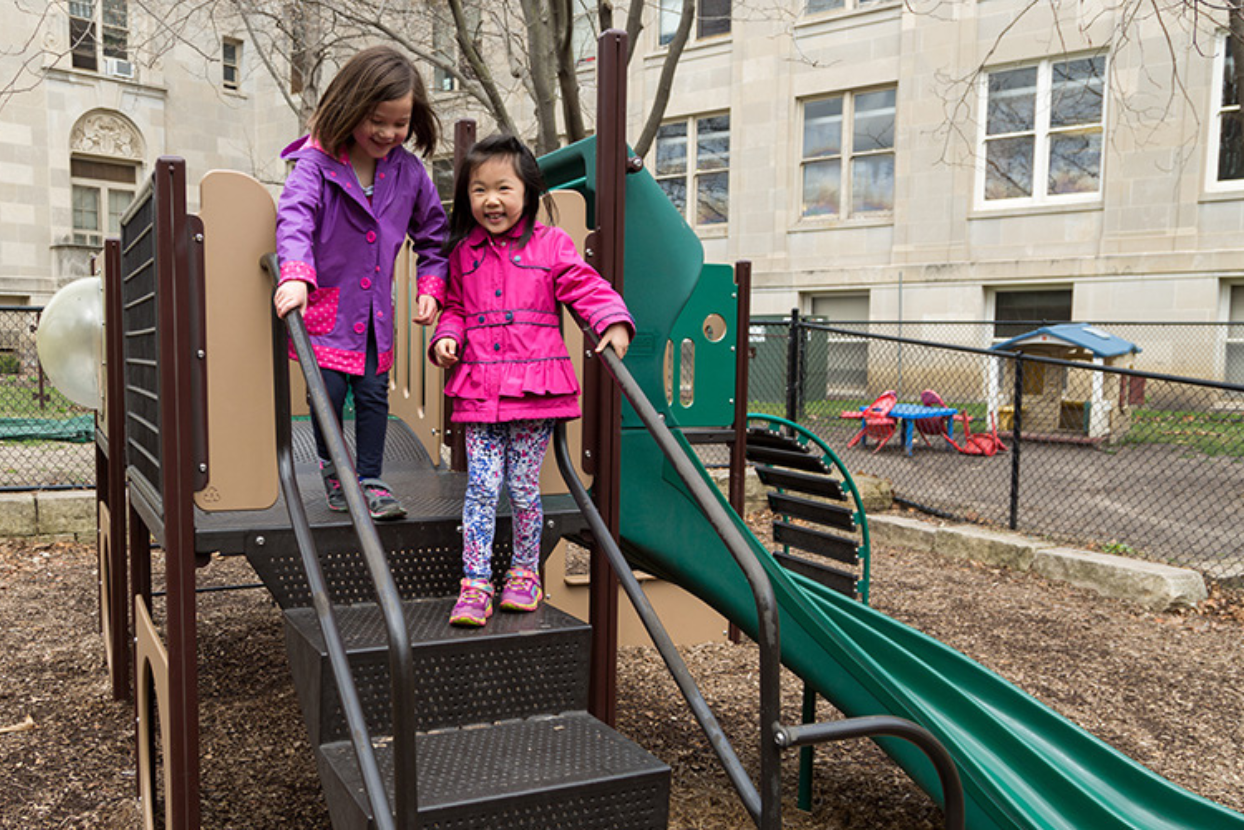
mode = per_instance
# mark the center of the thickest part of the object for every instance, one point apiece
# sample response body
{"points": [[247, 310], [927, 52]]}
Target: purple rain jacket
{"points": [[501, 309], [330, 236]]}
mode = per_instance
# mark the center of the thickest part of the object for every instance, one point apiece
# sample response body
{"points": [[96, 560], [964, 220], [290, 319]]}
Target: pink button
{"points": [[382, 175], [359, 328], [377, 269], [332, 173], [371, 236], [348, 185], [365, 283], [380, 315]]}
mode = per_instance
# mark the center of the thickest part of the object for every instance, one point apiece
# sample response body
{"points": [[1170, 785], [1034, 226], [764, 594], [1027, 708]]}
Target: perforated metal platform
{"points": [[566, 771], [520, 665]]}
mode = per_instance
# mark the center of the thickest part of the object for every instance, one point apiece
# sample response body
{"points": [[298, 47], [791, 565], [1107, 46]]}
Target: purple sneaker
{"points": [[522, 591], [474, 605]]}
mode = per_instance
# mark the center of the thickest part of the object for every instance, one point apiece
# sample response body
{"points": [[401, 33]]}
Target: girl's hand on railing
{"points": [[617, 336], [290, 295]]}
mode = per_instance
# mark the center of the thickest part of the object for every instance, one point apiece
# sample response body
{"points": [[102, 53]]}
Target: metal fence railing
{"points": [[1120, 460], [46, 440]]}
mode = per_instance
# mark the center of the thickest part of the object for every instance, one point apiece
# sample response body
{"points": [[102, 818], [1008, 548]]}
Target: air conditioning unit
{"points": [[118, 68]]}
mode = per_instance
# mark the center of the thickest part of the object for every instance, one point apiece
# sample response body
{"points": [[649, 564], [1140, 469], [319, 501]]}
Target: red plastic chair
{"points": [[878, 424], [931, 426]]}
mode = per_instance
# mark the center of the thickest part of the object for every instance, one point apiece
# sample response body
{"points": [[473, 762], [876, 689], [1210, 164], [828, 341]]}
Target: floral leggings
{"points": [[509, 453]]}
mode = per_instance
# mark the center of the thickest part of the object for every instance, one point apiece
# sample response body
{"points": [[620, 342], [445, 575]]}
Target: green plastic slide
{"points": [[1023, 765]]}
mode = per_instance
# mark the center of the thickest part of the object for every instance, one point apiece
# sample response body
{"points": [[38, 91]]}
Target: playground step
{"points": [[566, 771], [519, 666]]}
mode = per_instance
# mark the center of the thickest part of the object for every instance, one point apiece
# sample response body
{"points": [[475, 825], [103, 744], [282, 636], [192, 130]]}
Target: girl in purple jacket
{"points": [[510, 373], [354, 196]]}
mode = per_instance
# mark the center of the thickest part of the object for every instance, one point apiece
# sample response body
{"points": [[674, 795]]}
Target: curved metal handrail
{"points": [[860, 518], [769, 814], [401, 660]]}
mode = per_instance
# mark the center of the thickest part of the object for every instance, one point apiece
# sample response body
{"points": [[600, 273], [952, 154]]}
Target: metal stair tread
{"points": [[500, 762], [427, 621]]}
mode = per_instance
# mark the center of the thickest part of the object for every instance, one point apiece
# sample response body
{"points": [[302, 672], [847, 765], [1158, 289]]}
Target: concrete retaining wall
{"points": [[55, 514]]}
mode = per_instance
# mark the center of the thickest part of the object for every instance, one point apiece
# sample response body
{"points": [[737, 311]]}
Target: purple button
{"points": [[371, 236], [365, 283], [359, 328]]}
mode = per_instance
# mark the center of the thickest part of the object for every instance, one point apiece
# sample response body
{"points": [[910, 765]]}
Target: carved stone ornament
{"points": [[102, 133]]}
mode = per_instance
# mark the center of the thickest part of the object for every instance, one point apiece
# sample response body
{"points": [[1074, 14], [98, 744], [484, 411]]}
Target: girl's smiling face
{"points": [[386, 127], [497, 195]]}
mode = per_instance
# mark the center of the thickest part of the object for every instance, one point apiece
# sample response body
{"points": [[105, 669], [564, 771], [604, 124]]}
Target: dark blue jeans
{"points": [[371, 411]]}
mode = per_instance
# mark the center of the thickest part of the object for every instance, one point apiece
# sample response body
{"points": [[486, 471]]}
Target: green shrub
{"points": [[10, 364]]}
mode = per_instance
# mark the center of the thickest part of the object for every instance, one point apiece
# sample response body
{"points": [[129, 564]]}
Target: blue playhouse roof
{"points": [[1080, 335]]}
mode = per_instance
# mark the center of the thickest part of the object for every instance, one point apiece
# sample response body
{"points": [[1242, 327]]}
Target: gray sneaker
{"points": [[381, 503], [333, 493]]}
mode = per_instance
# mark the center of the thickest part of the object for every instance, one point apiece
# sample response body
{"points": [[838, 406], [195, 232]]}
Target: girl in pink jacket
{"points": [[510, 373]]}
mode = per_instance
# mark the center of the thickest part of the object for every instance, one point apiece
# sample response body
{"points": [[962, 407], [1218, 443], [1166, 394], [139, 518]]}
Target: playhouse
{"points": [[1059, 402]]}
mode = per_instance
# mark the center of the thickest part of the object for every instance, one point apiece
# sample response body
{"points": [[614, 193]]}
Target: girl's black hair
{"points": [[502, 145]]}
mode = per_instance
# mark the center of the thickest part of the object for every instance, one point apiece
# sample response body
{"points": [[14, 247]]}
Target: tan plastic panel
{"points": [[239, 221], [687, 619], [415, 383], [151, 662]]}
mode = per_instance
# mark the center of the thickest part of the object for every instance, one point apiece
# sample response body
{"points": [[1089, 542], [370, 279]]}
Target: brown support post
{"points": [[453, 435], [178, 474], [738, 450], [607, 256], [113, 482]]}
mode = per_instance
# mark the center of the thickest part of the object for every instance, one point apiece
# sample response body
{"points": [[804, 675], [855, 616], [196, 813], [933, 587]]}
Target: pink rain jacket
{"points": [[501, 310]]}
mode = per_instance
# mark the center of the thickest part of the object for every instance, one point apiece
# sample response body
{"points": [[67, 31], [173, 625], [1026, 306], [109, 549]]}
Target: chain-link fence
{"points": [[46, 441], [1119, 460]]}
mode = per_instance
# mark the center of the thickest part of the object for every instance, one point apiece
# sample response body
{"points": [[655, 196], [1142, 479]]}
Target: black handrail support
{"points": [[401, 660]]}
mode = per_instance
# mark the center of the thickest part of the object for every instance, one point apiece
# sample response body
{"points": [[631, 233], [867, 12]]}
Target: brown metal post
{"points": [[178, 475], [738, 450], [452, 435], [608, 258], [112, 484]]}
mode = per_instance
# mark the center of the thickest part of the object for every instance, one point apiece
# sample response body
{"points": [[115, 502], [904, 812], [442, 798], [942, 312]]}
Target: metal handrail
{"points": [[768, 814], [401, 659], [774, 736], [653, 625], [869, 726]]}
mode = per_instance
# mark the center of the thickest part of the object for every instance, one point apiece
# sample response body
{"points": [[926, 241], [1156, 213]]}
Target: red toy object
{"points": [[982, 443], [878, 424]]}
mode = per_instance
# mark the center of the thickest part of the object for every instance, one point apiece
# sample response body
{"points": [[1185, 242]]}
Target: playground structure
{"points": [[202, 457]]}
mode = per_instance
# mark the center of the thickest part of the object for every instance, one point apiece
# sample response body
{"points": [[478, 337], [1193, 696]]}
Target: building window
{"points": [[100, 25], [231, 62], [1228, 124], [102, 191], [846, 369], [815, 6], [1042, 131], [584, 34], [693, 167], [1234, 369], [712, 18], [1019, 312], [855, 130], [444, 44], [443, 178]]}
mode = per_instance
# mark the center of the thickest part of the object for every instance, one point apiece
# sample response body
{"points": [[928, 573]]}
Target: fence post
{"points": [[1016, 438], [794, 365]]}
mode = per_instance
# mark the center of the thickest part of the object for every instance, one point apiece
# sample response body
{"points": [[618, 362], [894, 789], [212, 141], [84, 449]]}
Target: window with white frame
{"points": [[1233, 371], [231, 62], [1228, 125], [1042, 132], [816, 6], [100, 28], [693, 167], [583, 36], [848, 155], [102, 191], [712, 18]]}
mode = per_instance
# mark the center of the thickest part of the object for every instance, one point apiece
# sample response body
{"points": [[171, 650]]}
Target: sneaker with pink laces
{"points": [[474, 605], [522, 591]]}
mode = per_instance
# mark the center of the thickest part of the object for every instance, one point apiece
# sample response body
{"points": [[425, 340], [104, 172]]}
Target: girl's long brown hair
{"points": [[373, 76]]}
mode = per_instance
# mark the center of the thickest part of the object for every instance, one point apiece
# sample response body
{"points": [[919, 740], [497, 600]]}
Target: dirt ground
{"points": [[1166, 689]]}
